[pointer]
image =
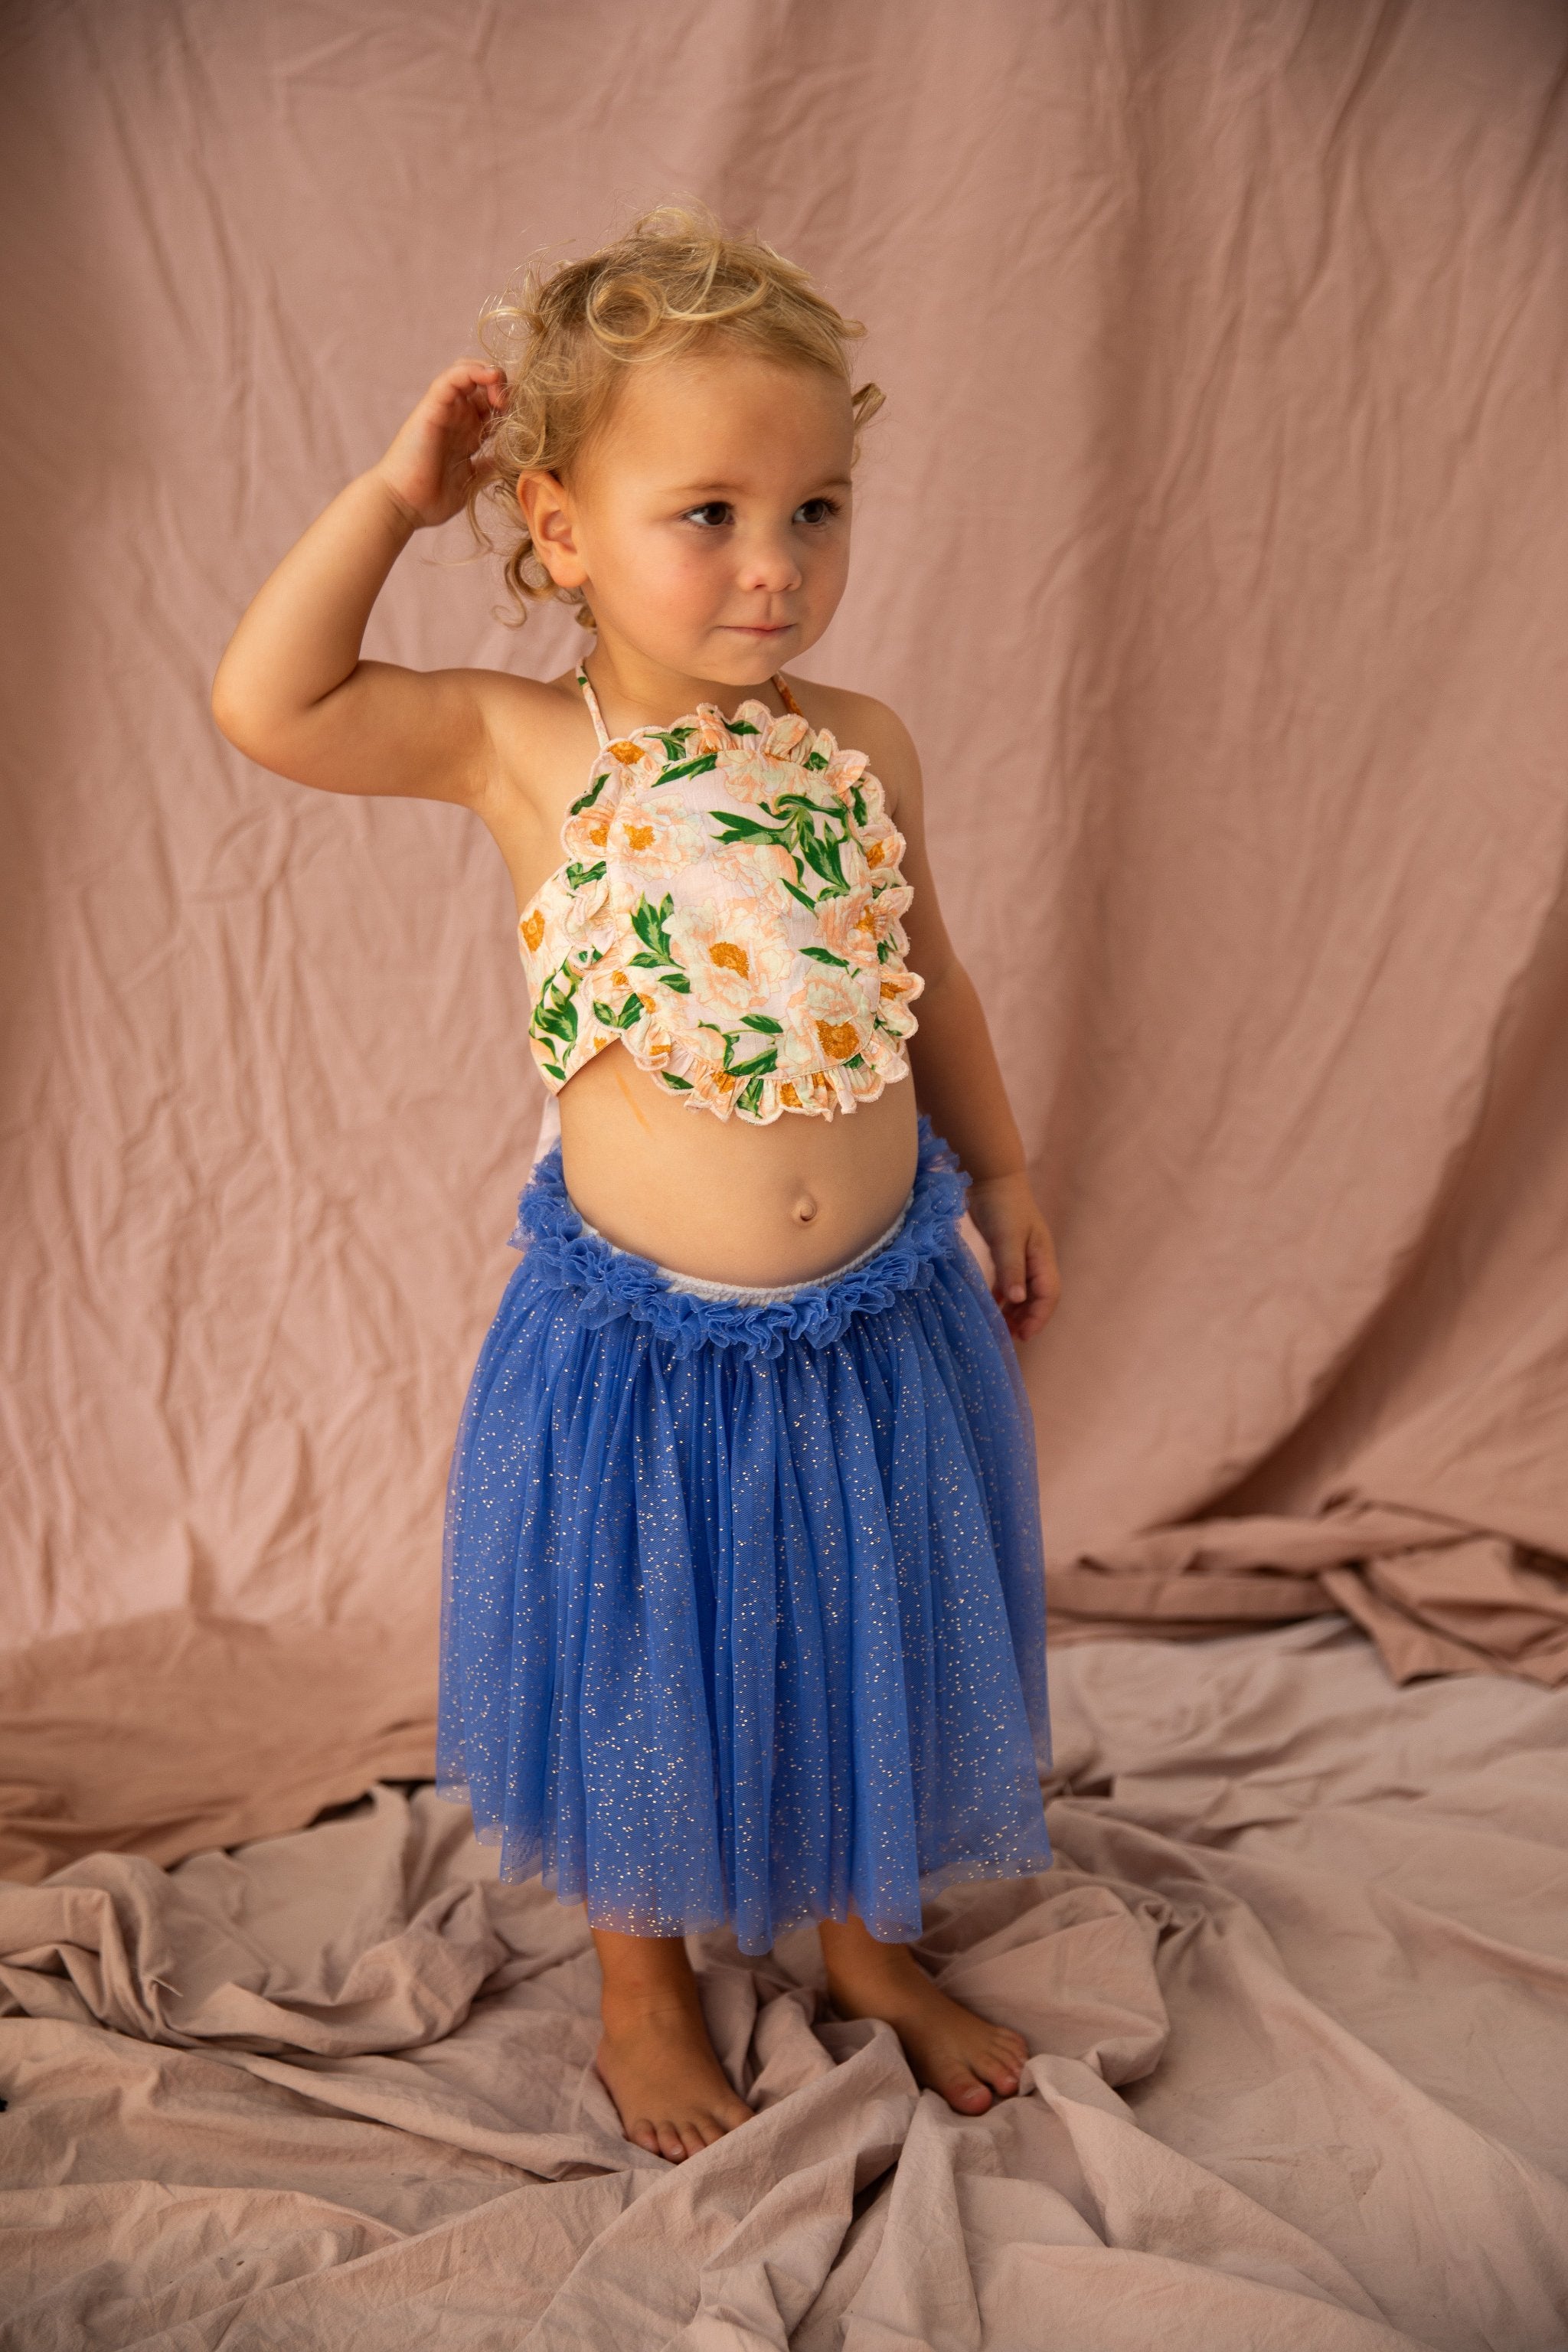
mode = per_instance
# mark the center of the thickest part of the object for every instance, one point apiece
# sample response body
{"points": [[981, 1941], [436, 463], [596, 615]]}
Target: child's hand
{"points": [[1028, 1284], [430, 465]]}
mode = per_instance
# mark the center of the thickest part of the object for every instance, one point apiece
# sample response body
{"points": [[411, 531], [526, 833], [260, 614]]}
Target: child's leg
{"points": [[656, 2058], [949, 2049]]}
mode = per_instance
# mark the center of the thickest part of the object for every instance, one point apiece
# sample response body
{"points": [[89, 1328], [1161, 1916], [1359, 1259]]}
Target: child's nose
{"points": [[768, 562]]}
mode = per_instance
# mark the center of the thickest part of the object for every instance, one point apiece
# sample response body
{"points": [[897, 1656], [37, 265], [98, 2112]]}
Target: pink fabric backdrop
{"points": [[1214, 545]]}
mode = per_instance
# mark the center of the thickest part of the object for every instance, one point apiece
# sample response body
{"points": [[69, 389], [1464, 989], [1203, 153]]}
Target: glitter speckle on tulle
{"points": [[743, 1605]]}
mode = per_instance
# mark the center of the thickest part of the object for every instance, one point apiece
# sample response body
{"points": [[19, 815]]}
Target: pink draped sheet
{"points": [[1292, 1988], [1212, 545]]}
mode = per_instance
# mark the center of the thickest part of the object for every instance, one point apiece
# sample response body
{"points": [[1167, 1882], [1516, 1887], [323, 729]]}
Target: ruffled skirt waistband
{"points": [[563, 1249]]}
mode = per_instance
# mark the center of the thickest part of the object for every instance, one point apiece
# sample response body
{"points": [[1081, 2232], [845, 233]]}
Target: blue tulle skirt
{"points": [[743, 1613]]}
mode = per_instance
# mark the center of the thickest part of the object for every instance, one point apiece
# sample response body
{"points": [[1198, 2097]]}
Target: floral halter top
{"points": [[728, 911]]}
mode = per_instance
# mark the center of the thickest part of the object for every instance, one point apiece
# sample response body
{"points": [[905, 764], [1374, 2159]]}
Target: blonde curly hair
{"points": [[673, 281]]}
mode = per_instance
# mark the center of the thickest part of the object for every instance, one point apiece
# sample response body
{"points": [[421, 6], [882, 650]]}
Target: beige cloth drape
{"points": [[1292, 1989]]}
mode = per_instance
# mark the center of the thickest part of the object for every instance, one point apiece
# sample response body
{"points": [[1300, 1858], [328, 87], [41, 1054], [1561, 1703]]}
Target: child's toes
{"points": [[1002, 2067], [670, 2144], [965, 2091]]}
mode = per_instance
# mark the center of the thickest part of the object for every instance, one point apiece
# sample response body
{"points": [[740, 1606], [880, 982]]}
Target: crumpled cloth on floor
{"points": [[1295, 1989]]}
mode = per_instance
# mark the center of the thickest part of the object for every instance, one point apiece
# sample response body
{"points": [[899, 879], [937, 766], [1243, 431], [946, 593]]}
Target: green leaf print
{"points": [[765, 1022], [630, 1013], [804, 897], [822, 856], [795, 803], [857, 803], [681, 1085], [555, 1014], [747, 828], [696, 767], [589, 797], [578, 874], [557, 1021], [650, 924], [815, 759], [750, 1097], [674, 741], [729, 1065], [825, 955]]}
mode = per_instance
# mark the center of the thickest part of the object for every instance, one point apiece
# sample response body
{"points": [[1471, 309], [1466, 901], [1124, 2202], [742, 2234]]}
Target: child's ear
{"points": [[546, 509]]}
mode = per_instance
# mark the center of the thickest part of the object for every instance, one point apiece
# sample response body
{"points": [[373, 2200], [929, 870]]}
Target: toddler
{"points": [[744, 1594]]}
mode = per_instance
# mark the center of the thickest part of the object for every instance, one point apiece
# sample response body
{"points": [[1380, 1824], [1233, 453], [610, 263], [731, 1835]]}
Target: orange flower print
{"points": [[895, 991], [584, 837], [748, 774], [844, 768], [848, 926], [734, 952], [826, 1019], [881, 844], [654, 839], [783, 734], [533, 929]]}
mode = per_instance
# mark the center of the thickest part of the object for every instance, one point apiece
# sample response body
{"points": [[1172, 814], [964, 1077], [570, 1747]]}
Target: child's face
{"points": [[708, 522]]}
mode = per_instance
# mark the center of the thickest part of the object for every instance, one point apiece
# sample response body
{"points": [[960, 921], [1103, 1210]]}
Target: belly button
{"points": [[804, 1209]]}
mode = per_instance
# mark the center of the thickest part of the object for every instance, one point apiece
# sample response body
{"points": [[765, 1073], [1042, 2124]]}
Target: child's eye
{"points": [[817, 511], [710, 515]]}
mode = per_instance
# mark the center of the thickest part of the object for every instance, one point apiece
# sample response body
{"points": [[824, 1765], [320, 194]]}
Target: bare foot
{"points": [[950, 2050], [656, 2059]]}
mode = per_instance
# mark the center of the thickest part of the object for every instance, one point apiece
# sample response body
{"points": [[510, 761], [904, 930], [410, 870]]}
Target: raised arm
{"points": [[291, 691]]}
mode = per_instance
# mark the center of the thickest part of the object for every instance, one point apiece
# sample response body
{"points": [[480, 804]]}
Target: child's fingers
{"points": [[1044, 1275], [1011, 1286], [1027, 1308], [465, 390]]}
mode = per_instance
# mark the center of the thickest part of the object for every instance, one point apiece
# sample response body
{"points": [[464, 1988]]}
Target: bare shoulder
{"points": [[531, 722], [540, 745], [859, 722]]}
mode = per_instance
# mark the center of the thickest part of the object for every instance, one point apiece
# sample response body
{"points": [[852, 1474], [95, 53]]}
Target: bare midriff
{"points": [[726, 1200]]}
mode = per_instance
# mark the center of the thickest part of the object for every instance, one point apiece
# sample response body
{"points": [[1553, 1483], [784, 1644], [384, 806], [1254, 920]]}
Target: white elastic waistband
{"points": [[705, 1289]]}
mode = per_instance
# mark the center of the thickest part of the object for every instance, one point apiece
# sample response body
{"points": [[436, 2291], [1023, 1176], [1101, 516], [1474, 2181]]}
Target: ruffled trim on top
{"points": [[616, 942], [606, 1282]]}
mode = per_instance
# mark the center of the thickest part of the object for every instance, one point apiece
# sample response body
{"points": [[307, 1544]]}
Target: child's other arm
{"points": [[954, 1064], [291, 691]]}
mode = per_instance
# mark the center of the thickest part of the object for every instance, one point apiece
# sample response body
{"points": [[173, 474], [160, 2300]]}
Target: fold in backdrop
{"points": [[1214, 543]]}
